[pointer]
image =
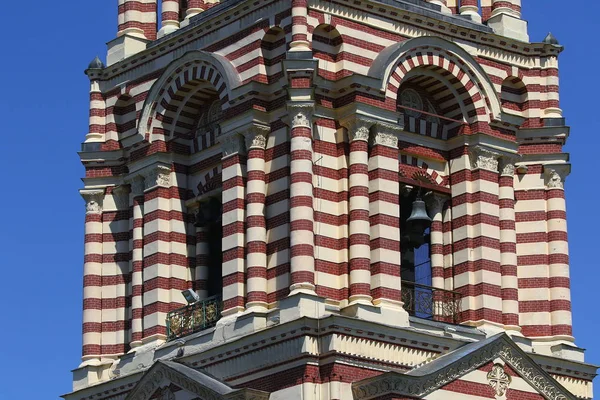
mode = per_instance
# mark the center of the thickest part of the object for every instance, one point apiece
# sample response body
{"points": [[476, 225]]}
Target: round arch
{"points": [[394, 62], [213, 69]]}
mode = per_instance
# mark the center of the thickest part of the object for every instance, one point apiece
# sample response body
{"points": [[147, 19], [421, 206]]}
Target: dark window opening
{"points": [[209, 217]]}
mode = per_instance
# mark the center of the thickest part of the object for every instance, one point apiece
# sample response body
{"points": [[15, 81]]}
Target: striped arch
{"points": [[192, 81], [415, 168], [445, 59]]}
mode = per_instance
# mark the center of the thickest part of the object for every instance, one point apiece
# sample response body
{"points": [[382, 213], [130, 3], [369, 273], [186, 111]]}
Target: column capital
{"points": [[386, 134], [435, 203], [555, 175], [483, 158], [232, 144], [121, 196], [300, 114], [358, 128], [94, 200], [507, 165], [157, 175], [256, 136]]}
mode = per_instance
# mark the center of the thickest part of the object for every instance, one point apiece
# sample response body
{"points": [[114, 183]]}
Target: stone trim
{"points": [[419, 386]]}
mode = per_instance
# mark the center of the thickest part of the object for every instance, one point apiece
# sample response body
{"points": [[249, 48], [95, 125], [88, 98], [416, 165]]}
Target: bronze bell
{"points": [[418, 220]]}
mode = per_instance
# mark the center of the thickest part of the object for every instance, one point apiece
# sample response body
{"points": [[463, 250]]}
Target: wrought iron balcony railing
{"points": [[430, 303], [194, 317]]}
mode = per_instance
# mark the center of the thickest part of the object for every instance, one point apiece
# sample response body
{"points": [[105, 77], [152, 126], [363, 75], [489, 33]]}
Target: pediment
{"points": [[159, 381], [456, 365]]}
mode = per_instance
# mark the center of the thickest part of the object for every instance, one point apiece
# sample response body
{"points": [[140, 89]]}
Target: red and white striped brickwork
{"points": [[234, 243], [384, 216], [138, 18], [476, 232], [318, 180]]}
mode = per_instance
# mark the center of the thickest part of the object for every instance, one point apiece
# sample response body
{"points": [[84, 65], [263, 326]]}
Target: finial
{"points": [[550, 39], [96, 64]]}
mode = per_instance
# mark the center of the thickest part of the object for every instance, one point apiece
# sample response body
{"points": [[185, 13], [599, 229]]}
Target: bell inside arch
{"points": [[418, 220]]}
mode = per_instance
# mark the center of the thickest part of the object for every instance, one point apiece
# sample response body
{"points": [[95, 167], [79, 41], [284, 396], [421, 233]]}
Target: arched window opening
{"points": [[514, 95], [125, 116], [273, 49], [209, 221], [429, 105], [327, 46], [415, 238]]}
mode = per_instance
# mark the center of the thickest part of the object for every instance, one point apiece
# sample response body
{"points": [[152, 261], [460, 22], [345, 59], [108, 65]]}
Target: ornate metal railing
{"points": [[194, 317], [431, 303]]}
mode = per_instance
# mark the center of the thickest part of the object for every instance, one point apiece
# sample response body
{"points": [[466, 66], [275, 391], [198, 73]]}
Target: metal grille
{"points": [[194, 317], [431, 303]]}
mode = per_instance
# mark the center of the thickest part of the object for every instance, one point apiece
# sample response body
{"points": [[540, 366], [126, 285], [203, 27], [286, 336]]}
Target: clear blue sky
{"points": [[44, 108]]}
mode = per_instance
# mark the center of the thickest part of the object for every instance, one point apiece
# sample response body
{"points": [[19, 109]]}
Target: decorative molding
{"points": [[94, 200], [160, 375], [300, 114], [386, 135], [419, 386], [256, 137], [482, 158], [359, 128], [159, 175], [555, 175], [499, 380], [232, 144]]}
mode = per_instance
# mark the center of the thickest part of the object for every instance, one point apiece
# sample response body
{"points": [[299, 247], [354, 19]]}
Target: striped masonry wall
{"points": [[233, 197]]}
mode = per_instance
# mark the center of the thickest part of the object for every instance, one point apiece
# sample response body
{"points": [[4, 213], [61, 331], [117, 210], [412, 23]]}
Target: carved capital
{"points": [[94, 200], [482, 158], [555, 175], [386, 135], [121, 196], [359, 128], [507, 165], [300, 114], [256, 136], [435, 203], [232, 144], [406, 190], [159, 175]]}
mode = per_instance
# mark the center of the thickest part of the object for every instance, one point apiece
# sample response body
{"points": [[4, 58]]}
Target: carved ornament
{"points": [[94, 199], [300, 114], [256, 137], [159, 175], [499, 380], [121, 196], [386, 135], [359, 129], [232, 144], [435, 203], [555, 175], [482, 158]]}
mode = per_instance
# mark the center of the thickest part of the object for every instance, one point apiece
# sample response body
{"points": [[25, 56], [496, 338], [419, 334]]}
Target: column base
{"points": [[472, 12], [167, 29], [386, 312], [257, 306], [361, 299], [232, 311], [301, 304], [303, 287], [509, 26], [134, 346]]}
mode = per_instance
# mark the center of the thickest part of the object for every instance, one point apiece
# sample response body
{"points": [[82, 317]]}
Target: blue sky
{"points": [[44, 108]]}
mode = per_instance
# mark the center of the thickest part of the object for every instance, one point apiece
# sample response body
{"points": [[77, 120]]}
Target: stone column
{"points": [[137, 260], [358, 209], [508, 246], [384, 192], [169, 17], [137, 18], [435, 204], [156, 293], [558, 251], [195, 7], [510, 7], [92, 277], [443, 4], [505, 19], [471, 9], [299, 26], [302, 239], [256, 223], [233, 197], [448, 247]]}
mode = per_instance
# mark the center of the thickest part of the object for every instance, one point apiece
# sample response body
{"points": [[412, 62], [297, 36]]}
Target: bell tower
{"points": [[349, 200]]}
